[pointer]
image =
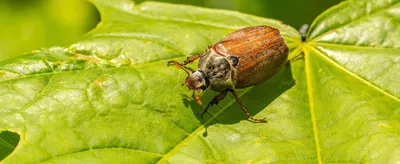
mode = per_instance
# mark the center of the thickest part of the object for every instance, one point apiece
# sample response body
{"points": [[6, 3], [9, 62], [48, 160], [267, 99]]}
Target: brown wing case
{"points": [[261, 52]]}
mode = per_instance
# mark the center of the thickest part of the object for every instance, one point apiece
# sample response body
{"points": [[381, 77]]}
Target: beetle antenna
{"points": [[178, 65]]}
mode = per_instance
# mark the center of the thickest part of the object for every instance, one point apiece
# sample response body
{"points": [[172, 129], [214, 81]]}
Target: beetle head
{"points": [[197, 81]]}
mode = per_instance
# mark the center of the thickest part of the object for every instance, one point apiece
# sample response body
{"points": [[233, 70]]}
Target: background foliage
{"points": [[26, 25]]}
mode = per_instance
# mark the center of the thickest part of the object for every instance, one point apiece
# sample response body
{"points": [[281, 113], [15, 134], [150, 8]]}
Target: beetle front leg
{"points": [[188, 60], [215, 100], [191, 59], [244, 109]]}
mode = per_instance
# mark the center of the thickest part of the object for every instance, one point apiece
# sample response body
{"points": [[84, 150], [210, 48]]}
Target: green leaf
{"points": [[353, 73], [111, 98]]}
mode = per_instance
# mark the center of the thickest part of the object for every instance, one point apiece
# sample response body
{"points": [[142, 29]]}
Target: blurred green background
{"points": [[26, 25]]}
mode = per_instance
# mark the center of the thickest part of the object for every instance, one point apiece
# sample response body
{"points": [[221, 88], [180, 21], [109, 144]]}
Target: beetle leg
{"points": [[215, 100], [244, 109], [191, 59], [187, 61]]}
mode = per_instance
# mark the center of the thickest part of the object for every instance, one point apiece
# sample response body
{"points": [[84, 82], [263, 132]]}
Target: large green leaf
{"points": [[111, 97], [353, 74]]}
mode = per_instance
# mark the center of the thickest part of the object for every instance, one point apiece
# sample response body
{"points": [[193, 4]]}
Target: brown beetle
{"points": [[244, 58]]}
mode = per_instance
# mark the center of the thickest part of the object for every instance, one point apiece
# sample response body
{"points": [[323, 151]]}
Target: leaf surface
{"points": [[352, 66], [111, 98]]}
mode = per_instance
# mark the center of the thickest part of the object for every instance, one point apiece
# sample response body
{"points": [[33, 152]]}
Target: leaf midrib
{"points": [[311, 104], [91, 69]]}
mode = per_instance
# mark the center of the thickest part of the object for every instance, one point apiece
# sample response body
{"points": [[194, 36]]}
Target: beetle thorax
{"points": [[218, 70]]}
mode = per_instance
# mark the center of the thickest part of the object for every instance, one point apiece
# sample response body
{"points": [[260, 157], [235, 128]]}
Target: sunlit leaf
{"points": [[111, 97]]}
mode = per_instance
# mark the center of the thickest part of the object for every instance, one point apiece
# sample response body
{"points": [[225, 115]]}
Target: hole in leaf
{"points": [[8, 142]]}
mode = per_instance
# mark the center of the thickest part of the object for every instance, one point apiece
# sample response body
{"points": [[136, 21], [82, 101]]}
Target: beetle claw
{"points": [[172, 62], [169, 63], [262, 120]]}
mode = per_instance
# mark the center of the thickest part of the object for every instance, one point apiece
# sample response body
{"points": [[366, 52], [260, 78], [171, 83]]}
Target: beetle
{"points": [[244, 58]]}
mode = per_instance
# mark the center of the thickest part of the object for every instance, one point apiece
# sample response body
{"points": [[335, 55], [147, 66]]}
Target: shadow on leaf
{"points": [[255, 99], [8, 143]]}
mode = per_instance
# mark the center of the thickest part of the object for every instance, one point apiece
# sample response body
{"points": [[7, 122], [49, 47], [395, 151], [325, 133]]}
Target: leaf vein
{"points": [[311, 102], [321, 54], [98, 68], [93, 149], [360, 47]]}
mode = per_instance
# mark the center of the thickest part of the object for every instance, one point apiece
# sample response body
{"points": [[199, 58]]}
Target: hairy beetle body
{"points": [[260, 51], [244, 58]]}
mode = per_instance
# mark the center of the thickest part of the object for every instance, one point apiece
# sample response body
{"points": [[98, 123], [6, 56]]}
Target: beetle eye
{"points": [[235, 60], [203, 87]]}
